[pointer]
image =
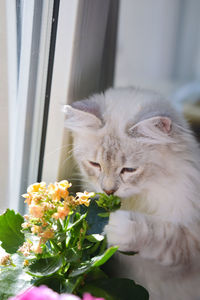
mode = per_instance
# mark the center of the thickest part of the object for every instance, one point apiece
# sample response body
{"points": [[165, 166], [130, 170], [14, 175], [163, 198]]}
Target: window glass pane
{"points": [[25, 42], [158, 43], [159, 48]]}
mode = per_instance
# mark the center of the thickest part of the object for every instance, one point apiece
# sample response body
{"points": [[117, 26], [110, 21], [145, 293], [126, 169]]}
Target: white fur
{"points": [[160, 216]]}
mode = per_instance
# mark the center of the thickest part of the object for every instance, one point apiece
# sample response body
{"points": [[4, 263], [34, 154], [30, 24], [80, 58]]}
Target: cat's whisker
{"points": [[66, 159], [69, 157], [73, 164], [78, 185], [57, 149], [67, 146], [78, 179], [78, 175]]}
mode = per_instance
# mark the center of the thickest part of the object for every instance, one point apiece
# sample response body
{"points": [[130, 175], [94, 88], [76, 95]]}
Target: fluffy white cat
{"points": [[132, 143]]}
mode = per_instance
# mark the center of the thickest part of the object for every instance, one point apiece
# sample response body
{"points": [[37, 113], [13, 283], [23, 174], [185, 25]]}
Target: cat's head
{"points": [[124, 139]]}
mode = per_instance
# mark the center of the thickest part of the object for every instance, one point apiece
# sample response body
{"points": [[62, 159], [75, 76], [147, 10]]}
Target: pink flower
{"points": [[87, 296], [43, 293]]}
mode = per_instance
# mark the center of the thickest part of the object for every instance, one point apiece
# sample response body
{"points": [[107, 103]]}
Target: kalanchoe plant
{"points": [[109, 203], [53, 245]]}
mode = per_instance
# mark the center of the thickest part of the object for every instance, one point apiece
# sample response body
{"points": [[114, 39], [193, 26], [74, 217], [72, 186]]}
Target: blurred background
{"points": [[158, 43], [158, 47], [53, 52]]}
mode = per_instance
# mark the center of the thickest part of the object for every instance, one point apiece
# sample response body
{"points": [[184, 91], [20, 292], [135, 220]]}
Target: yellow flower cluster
{"points": [[83, 198], [48, 203]]}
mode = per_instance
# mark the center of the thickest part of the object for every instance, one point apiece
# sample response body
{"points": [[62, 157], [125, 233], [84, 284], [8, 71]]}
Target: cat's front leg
{"points": [[167, 243], [122, 231]]}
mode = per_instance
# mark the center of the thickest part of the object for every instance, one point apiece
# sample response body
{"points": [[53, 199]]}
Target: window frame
{"points": [[29, 106], [84, 46]]}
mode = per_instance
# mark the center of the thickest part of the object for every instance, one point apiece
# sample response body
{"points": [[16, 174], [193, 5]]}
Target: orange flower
{"points": [[25, 249], [63, 188], [83, 198], [53, 192], [47, 234], [34, 192], [33, 199], [48, 206], [70, 201], [36, 229], [36, 211], [26, 217], [28, 198], [5, 260], [36, 187], [59, 190], [62, 212]]}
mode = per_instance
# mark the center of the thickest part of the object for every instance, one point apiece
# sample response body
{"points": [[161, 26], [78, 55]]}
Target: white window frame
{"points": [[30, 98], [8, 75], [83, 64]]}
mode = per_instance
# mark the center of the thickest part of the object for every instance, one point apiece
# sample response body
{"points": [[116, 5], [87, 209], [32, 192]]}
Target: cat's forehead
{"points": [[114, 147], [111, 140], [111, 149]]}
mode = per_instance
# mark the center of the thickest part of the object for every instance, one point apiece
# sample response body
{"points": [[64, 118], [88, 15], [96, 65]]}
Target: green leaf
{"points": [[101, 259], [45, 266], [104, 215], [72, 255], [116, 289], [13, 279], [96, 261], [96, 273], [73, 224], [56, 282], [59, 284], [95, 222], [94, 238], [10, 231], [72, 284], [97, 292]]}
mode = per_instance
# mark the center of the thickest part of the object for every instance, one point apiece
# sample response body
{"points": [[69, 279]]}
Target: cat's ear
{"points": [[82, 115], [153, 130]]}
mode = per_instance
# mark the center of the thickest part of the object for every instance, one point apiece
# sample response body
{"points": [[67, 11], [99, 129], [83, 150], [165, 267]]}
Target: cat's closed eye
{"points": [[128, 170], [95, 164], [123, 170]]}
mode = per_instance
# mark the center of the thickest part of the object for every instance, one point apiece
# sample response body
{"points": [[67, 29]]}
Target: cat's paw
{"points": [[120, 230]]}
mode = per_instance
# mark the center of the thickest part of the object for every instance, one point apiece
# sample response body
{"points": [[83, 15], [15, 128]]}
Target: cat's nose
{"points": [[109, 192]]}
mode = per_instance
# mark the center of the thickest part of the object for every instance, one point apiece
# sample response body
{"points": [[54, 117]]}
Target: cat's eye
{"points": [[128, 170], [95, 164]]}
